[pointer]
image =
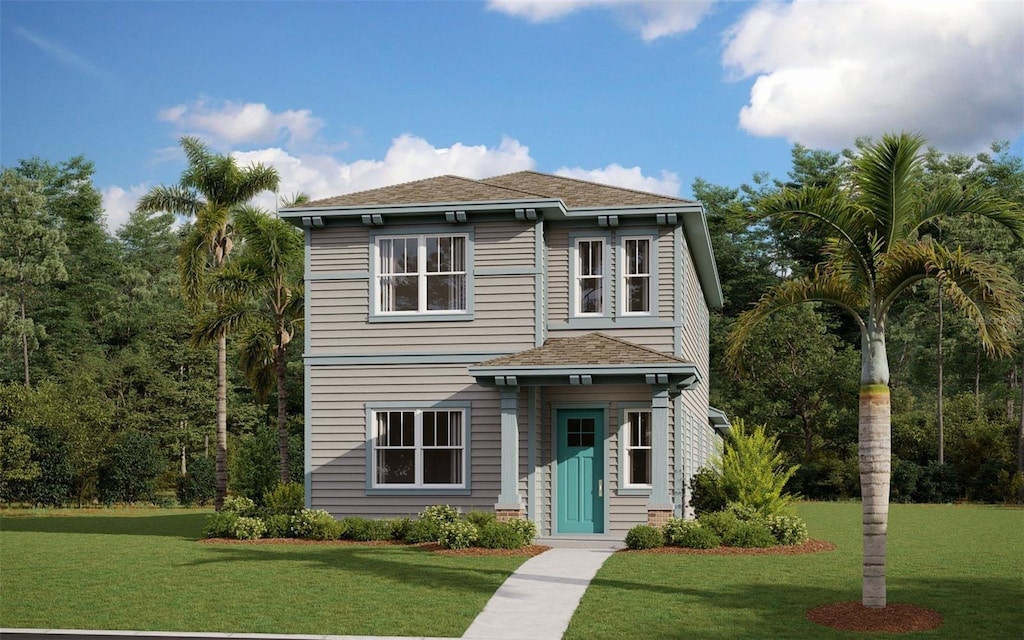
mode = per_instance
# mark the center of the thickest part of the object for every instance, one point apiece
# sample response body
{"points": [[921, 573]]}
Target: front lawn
{"points": [[966, 562], [144, 569]]}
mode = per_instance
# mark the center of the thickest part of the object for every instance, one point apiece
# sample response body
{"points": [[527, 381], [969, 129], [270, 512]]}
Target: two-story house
{"points": [[530, 344]]}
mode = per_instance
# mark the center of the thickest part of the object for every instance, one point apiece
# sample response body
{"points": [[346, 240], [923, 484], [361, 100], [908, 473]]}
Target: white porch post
{"points": [[508, 500], [660, 507]]}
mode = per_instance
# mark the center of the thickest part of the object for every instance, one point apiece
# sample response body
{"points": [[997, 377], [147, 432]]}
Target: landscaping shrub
{"points": [[400, 528], [249, 529], [129, 472], [744, 513], [460, 534], [481, 518], [644, 536], [723, 523], [903, 482], [514, 534], [367, 529], [220, 525], [689, 534], [706, 492], [749, 533], [752, 470], [278, 526], [316, 524], [240, 506], [787, 529], [422, 531], [255, 465], [937, 483], [287, 498], [440, 513], [199, 484]]}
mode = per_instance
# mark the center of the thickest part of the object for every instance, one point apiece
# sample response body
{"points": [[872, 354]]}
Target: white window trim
{"points": [[421, 275], [628, 446], [577, 276], [621, 263], [418, 446]]}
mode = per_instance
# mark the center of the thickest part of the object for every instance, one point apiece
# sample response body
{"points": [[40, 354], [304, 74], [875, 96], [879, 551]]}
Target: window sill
{"points": [[634, 491], [608, 322], [424, 317], [417, 491]]}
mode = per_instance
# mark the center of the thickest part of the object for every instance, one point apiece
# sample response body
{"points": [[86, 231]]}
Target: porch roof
{"points": [[593, 358]]}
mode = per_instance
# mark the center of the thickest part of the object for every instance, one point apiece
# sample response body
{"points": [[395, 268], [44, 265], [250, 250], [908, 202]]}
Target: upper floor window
{"points": [[590, 278], [419, 448], [421, 273], [638, 448], [636, 275]]}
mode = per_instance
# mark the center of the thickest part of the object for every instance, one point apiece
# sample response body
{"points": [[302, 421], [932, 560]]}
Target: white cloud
{"points": [[627, 178], [652, 18], [827, 72], [118, 204], [238, 123]]}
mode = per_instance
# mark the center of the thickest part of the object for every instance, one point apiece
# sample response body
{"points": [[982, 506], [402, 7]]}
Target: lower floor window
{"points": [[419, 448], [638, 448]]}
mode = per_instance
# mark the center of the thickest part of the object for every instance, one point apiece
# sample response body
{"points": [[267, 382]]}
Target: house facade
{"points": [[529, 344]]}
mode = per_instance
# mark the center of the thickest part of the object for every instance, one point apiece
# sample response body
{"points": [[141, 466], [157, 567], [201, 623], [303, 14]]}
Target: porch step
{"points": [[580, 542]]}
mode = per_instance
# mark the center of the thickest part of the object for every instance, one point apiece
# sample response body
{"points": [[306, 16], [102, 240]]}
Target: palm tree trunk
{"points": [[875, 451], [24, 334], [282, 418], [939, 408], [222, 422]]}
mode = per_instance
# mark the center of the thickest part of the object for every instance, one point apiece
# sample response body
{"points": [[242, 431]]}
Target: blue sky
{"points": [[344, 96]]}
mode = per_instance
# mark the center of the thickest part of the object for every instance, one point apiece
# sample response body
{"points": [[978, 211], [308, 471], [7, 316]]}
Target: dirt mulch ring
{"points": [[434, 547], [893, 618], [811, 546]]}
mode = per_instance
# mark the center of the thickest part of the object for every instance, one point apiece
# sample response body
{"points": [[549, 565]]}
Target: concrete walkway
{"points": [[537, 601]]}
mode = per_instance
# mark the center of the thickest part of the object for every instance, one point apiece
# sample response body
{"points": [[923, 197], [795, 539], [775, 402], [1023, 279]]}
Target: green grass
{"points": [[143, 569], [967, 562]]}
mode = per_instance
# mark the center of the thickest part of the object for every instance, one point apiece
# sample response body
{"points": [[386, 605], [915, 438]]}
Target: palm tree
{"points": [[875, 253], [211, 188], [262, 292]]}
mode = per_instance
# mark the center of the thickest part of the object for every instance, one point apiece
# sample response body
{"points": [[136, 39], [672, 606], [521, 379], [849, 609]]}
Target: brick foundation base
{"points": [[504, 515], [657, 518]]}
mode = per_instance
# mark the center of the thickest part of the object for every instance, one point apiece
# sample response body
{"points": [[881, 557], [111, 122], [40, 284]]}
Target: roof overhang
{"points": [[719, 421], [681, 376]]}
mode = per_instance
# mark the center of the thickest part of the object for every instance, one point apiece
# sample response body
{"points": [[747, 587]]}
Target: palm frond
{"points": [[227, 319], [193, 260], [175, 199], [235, 282], [885, 176], [256, 358], [253, 180], [822, 286], [954, 201]]}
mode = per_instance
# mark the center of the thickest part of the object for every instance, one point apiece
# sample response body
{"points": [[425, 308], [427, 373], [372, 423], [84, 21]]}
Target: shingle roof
{"points": [[578, 193], [429, 190], [592, 349], [522, 185]]}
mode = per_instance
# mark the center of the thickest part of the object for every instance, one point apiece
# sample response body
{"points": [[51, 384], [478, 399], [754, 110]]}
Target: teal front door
{"points": [[580, 471]]}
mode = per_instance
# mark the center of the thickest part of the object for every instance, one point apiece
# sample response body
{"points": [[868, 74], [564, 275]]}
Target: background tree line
{"points": [[108, 365]]}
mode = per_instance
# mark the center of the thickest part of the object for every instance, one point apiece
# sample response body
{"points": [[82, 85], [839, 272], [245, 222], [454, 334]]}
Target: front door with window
{"points": [[580, 471]]}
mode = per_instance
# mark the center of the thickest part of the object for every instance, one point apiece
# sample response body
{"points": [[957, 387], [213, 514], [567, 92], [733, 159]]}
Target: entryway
{"points": [[580, 474]]}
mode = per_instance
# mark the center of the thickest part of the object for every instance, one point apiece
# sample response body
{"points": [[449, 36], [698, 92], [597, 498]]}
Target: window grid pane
{"points": [[419, 448], [637, 275], [442, 277], [590, 276], [638, 447]]}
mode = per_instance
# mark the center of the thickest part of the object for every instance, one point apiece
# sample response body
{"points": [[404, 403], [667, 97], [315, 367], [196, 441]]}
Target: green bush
{"points": [[749, 533], [753, 472], [689, 534], [129, 472], [644, 536], [249, 529], [786, 529], [316, 524], [400, 527], [744, 513], [221, 525], [422, 531], [240, 506], [706, 492], [460, 534], [440, 513], [514, 534], [367, 529], [481, 518], [723, 523], [199, 484], [278, 526], [256, 463], [287, 498]]}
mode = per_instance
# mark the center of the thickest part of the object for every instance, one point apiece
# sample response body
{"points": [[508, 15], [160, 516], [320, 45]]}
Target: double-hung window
{"points": [[591, 283], [638, 448], [421, 274], [415, 448], [636, 276]]}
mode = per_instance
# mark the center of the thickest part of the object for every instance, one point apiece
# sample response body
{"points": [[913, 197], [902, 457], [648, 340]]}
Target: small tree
{"points": [[753, 472]]}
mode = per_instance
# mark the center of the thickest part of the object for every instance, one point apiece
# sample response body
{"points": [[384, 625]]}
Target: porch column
{"points": [[509, 505], [660, 507]]}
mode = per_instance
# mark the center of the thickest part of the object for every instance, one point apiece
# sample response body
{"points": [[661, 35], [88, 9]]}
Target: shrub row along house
{"points": [[531, 344]]}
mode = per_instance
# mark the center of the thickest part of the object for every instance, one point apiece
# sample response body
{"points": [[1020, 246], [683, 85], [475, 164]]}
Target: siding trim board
{"points": [[337, 275], [307, 384], [621, 490]]}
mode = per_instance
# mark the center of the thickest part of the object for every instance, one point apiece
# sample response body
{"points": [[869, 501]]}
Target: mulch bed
{"points": [[811, 546], [893, 618], [433, 547]]}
